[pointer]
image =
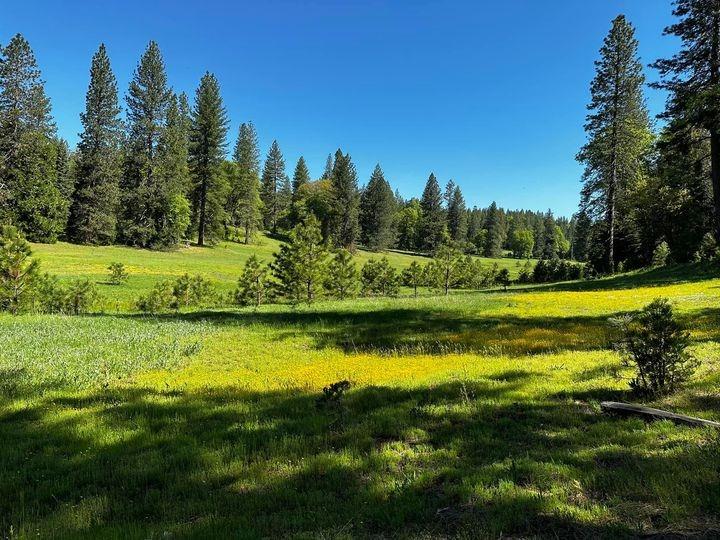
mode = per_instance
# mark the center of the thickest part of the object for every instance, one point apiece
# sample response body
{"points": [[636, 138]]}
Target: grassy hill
{"points": [[222, 263], [475, 415]]}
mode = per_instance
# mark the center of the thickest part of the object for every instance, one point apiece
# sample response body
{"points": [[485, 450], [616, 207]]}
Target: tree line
{"points": [[651, 195], [155, 173]]}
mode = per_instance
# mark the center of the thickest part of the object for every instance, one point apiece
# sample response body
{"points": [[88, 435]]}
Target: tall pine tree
{"points": [[93, 214], [30, 187], [207, 148], [432, 224], [274, 188], [457, 216], [377, 213], [345, 202], [618, 130], [143, 201], [245, 206]]}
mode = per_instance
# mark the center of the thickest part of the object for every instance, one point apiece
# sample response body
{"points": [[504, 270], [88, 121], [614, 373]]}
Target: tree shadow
{"points": [[458, 458]]}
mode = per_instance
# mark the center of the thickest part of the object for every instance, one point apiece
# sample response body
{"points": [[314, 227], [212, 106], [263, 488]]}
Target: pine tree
{"points": [[583, 226], [432, 226], [342, 276], [692, 78], [444, 270], [207, 147], [300, 266], [142, 199], [18, 271], [457, 215], [244, 204], [494, 227], [93, 214], [329, 165], [30, 196], [301, 178], [449, 193], [274, 188], [377, 213], [413, 276], [550, 237], [345, 202], [618, 129], [254, 285]]}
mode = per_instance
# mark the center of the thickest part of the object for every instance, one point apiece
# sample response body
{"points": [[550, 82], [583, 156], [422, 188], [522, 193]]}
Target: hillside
{"points": [[222, 263]]}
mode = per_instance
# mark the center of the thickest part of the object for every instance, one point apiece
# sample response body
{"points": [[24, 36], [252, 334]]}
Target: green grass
{"points": [[222, 264], [475, 415]]}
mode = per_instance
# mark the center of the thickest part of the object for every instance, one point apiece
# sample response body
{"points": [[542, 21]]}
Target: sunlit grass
{"points": [[474, 415]]}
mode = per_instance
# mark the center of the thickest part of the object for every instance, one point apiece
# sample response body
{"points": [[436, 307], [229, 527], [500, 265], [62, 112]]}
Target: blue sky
{"points": [[490, 94]]}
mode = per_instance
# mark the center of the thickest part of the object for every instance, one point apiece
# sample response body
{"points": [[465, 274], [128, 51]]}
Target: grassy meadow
{"points": [[473, 415], [221, 264]]}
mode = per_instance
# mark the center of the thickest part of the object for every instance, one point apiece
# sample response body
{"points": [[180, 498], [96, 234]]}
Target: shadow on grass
{"points": [[454, 459]]}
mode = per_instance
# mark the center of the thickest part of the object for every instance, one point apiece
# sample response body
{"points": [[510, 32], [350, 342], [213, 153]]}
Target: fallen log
{"points": [[628, 409]]}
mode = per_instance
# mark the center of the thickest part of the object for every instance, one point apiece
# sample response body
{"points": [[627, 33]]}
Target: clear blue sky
{"points": [[490, 94]]}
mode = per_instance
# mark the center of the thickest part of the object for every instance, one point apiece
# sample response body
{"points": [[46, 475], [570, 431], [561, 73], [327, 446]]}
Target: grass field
{"points": [[222, 264], [474, 415]]}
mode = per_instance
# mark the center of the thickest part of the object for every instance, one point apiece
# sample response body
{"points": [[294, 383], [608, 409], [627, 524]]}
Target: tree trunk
{"points": [[201, 225], [715, 174], [611, 224]]}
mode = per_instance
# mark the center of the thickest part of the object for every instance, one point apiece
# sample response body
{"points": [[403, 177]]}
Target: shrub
{"points": [[379, 278], [526, 273], [158, 299], [503, 278], [445, 271], [118, 274], [254, 285], [655, 343], [342, 278], [79, 296], [661, 255], [192, 291]]}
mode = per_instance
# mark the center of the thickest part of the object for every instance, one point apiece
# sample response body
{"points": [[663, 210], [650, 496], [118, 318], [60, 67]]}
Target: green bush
{"points": [[118, 274], [379, 278], [655, 343], [254, 285], [661, 255]]}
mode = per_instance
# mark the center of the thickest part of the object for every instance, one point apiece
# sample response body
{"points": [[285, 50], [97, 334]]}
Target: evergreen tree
{"points": [[377, 213], [444, 271], [618, 130], [345, 201], [692, 78], [379, 278], [274, 188], [329, 165], [494, 227], [30, 195], [244, 204], [93, 214], [342, 276], [432, 225], [583, 226], [172, 213], [300, 266], [18, 271], [207, 146], [413, 276], [301, 178], [142, 202], [449, 193], [550, 237], [457, 215], [254, 286]]}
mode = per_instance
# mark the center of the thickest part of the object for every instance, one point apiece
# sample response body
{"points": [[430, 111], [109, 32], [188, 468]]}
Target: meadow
{"points": [[221, 264], [473, 415]]}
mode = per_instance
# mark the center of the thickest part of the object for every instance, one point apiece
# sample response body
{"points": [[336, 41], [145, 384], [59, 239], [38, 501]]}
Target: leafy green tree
{"points": [[495, 236], [207, 147], [274, 188], [80, 295], [432, 224], [254, 286], [522, 243], [244, 203], [345, 202], [379, 278], [661, 255], [93, 213], [342, 275], [143, 200], [30, 194], [444, 270], [413, 276], [409, 221], [377, 213], [301, 264], [457, 216], [618, 130], [692, 78], [18, 270]]}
